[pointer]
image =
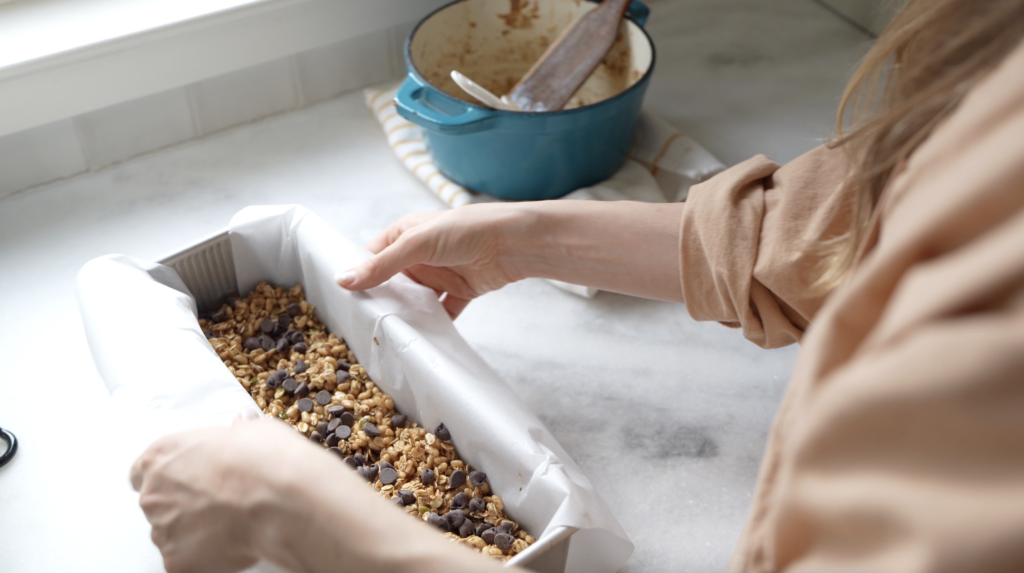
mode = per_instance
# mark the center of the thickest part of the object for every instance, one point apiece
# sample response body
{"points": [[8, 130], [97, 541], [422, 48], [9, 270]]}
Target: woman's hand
{"points": [[461, 254], [626, 247], [220, 499], [201, 490]]}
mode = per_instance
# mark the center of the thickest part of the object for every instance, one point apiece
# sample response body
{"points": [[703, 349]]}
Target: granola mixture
{"points": [[297, 372]]}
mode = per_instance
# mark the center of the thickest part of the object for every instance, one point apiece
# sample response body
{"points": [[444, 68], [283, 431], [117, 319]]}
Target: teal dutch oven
{"points": [[517, 155]]}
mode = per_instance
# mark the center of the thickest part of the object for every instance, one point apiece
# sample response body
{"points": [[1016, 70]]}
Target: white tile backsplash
{"points": [[118, 132], [337, 68], [138, 126], [39, 155], [244, 96], [397, 36]]}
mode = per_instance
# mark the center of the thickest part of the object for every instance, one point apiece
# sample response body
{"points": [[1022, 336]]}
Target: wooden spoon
{"points": [[570, 60]]}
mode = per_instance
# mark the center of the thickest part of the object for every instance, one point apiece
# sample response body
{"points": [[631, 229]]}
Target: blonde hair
{"points": [[914, 76]]}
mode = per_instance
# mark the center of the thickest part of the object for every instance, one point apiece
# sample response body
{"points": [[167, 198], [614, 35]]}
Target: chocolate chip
{"points": [[251, 343], [335, 411], [301, 348], [386, 465], [293, 309], [457, 480], [282, 374], [332, 440], [232, 298], [503, 541], [428, 477], [209, 335], [455, 518], [407, 497], [305, 405], [360, 458], [466, 529], [336, 451], [352, 462], [316, 437], [278, 330], [323, 397], [323, 429], [267, 326], [282, 346], [480, 529], [219, 316], [284, 320], [477, 478], [300, 366], [344, 366], [272, 381], [506, 527], [290, 385], [342, 376], [332, 425], [443, 433], [368, 471], [266, 343], [302, 390], [343, 432], [460, 500], [295, 337], [437, 521], [477, 505], [488, 535], [388, 476], [398, 421], [347, 418], [371, 430]]}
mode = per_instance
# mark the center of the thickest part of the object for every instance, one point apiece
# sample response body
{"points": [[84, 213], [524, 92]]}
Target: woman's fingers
{"points": [[454, 305], [442, 280], [142, 465], [407, 251]]}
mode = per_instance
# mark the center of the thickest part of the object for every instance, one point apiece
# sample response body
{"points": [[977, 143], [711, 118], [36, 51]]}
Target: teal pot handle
{"points": [[638, 12], [422, 105]]}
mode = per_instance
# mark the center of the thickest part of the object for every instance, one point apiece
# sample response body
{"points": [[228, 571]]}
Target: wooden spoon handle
{"points": [[570, 59]]}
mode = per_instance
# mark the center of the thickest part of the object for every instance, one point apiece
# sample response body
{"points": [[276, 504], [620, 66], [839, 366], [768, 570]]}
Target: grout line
{"points": [[846, 19], [193, 109], [80, 138], [293, 70]]}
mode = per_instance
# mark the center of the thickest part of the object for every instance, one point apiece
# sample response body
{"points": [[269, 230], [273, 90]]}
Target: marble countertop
{"points": [[667, 416]]}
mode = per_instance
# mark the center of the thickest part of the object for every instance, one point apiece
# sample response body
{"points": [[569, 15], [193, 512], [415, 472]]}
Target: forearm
{"points": [[327, 518], [624, 246]]}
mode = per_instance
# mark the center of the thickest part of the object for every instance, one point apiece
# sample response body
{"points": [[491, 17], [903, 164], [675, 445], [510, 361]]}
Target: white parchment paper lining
{"points": [[140, 321]]}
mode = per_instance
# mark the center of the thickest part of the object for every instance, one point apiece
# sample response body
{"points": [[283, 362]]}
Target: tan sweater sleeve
{"points": [[899, 446], [749, 243]]}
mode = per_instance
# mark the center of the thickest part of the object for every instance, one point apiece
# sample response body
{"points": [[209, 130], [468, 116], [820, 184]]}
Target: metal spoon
{"points": [[482, 94]]}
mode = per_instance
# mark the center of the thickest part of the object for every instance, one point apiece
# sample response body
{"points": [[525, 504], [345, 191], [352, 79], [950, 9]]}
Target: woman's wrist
{"points": [[621, 246]]}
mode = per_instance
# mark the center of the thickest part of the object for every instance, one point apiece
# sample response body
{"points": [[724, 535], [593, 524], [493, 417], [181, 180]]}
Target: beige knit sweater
{"points": [[899, 446]]}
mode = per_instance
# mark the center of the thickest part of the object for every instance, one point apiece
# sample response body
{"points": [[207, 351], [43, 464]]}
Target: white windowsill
{"points": [[35, 29], [62, 58]]}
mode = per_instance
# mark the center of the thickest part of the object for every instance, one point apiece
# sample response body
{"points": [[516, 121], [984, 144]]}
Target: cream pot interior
{"points": [[495, 42]]}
